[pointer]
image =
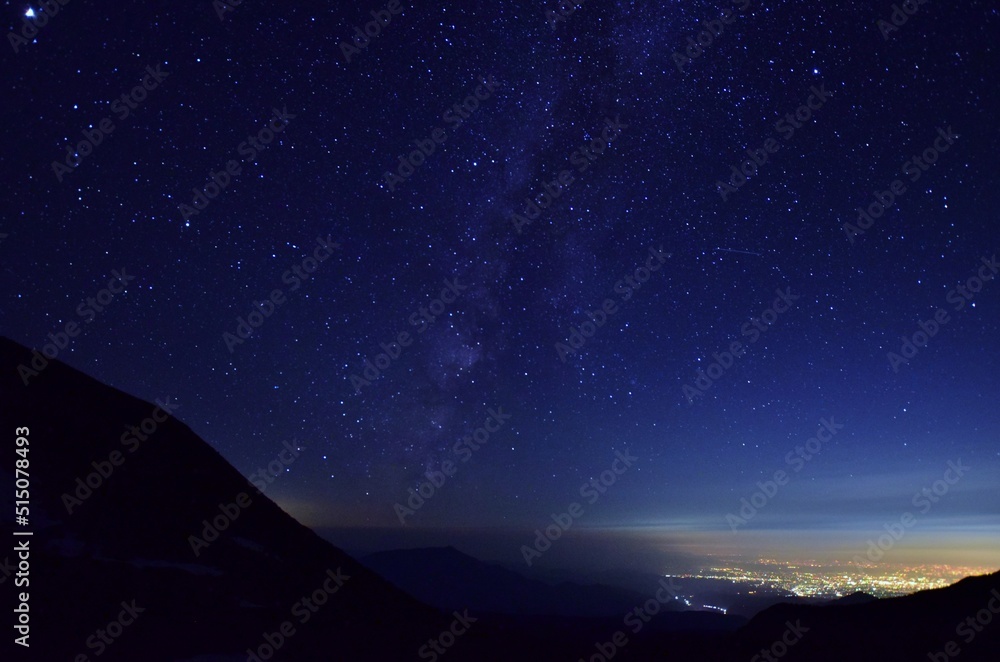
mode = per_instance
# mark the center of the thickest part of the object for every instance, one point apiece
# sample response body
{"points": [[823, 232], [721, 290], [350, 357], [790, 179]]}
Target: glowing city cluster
{"points": [[834, 580]]}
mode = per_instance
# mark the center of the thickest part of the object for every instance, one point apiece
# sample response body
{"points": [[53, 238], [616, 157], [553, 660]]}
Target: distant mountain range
{"points": [[750, 605], [446, 578], [920, 626], [148, 546]]}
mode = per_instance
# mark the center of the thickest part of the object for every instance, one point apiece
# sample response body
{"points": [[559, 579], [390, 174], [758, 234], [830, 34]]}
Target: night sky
{"points": [[631, 150]]}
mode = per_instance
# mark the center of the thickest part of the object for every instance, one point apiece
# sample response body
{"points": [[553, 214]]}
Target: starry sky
{"points": [[630, 141]]}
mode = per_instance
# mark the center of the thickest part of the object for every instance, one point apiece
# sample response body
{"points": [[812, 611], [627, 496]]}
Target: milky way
{"points": [[491, 176]]}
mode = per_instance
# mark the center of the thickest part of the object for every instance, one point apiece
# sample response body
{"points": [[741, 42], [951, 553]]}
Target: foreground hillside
{"points": [[147, 545]]}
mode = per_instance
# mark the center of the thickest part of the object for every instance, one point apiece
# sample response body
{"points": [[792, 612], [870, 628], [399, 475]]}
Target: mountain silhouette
{"points": [[127, 536], [749, 605], [119, 525], [856, 598], [147, 545], [448, 579], [911, 627]]}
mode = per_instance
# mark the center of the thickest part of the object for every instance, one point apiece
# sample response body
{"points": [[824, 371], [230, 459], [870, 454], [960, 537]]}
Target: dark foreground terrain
{"points": [[150, 546]]}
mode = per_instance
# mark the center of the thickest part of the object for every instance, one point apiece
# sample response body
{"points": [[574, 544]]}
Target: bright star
{"points": [[30, 13]]}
